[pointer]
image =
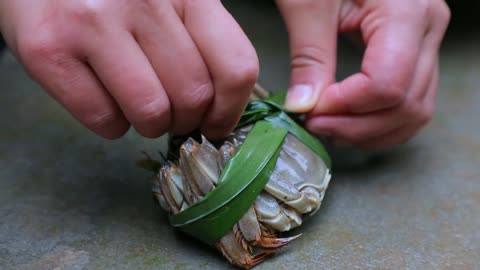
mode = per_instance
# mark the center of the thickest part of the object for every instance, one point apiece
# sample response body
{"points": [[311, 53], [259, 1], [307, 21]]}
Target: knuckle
{"points": [[402, 12], [199, 97], [242, 77], [443, 12], [102, 119], [422, 7], [407, 14], [155, 111], [41, 47], [389, 91], [89, 12], [310, 56]]}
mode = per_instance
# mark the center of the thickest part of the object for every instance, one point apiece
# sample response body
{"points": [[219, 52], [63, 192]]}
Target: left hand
{"points": [[393, 95]]}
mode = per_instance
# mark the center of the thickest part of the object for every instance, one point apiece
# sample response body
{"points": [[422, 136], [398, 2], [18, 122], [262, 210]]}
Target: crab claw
{"points": [[238, 255], [274, 242]]}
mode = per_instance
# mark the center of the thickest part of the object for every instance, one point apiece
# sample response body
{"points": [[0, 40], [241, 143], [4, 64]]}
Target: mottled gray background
{"points": [[70, 200]]}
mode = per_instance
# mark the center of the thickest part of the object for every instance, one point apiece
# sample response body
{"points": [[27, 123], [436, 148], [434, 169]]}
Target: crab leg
{"points": [[236, 253], [198, 167]]}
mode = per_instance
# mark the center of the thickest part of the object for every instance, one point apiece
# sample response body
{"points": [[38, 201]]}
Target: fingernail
{"points": [[300, 98]]}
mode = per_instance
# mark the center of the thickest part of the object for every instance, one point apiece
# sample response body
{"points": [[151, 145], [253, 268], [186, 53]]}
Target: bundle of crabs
{"points": [[239, 195]]}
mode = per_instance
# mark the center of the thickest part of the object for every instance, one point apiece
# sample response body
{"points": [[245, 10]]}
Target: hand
{"points": [[393, 95], [165, 65]]}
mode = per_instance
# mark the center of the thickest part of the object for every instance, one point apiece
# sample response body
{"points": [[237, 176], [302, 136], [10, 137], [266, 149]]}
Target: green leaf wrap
{"points": [[271, 111]]}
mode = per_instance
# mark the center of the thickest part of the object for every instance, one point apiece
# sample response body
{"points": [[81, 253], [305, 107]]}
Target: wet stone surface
{"points": [[70, 200]]}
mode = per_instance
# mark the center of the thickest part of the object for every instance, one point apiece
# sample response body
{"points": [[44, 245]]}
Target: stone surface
{"points": [[70, 200]]}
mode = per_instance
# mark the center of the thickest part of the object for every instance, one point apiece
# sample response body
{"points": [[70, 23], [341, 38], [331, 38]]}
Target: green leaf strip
{"points": [[271, 111], [243, 178], [278, 98]]}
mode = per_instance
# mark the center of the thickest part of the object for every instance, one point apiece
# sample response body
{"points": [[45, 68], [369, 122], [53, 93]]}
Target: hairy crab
{"points": [[283, 188]]}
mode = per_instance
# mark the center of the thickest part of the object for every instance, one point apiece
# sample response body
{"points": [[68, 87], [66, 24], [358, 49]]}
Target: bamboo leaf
{"points": [[271, 110], [278, 98]]}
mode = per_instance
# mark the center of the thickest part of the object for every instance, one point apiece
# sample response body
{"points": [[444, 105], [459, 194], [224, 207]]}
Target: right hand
{"points": [[393, 94], [165, 65]]}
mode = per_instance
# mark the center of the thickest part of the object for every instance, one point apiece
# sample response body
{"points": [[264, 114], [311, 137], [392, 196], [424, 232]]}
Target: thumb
{"points": [[312, 29]]}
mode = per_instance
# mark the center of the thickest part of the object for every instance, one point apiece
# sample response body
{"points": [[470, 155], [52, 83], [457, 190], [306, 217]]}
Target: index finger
{"points": [[393, 44], [231, 60]]}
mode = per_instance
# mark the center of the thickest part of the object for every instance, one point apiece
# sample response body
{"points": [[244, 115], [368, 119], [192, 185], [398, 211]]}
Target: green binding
{"points": [[246, 173], [271, 111], [211, 218]]}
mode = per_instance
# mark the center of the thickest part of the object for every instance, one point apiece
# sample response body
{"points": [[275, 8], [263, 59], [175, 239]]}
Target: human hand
{"points": [[393, 95], [165, 65]]}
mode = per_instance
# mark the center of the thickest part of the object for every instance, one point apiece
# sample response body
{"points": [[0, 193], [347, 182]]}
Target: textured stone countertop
{"points": [[71, 200]]}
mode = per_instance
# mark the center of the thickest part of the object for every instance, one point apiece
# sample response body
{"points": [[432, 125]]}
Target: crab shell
{"points": [[294, 190]]}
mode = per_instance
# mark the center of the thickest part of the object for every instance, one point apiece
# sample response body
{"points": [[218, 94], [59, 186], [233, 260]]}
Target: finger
{"points": [[439, 13], [74, 85], [127, 74], [399, 136], [365, 129], [387, 67], [429, 60], [356, 128], [408, 131], [431, 95], [177, 63], [420, 100], [426, 107], [231, 60], [426, 72], [416, 110], [312, 29]]}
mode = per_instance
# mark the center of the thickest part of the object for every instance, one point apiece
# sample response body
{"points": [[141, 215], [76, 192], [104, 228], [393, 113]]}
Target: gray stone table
{"points": [[70, 200]]}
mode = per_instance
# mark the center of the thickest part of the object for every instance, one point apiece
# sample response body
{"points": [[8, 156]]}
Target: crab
{"points": [[294, 191]]}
